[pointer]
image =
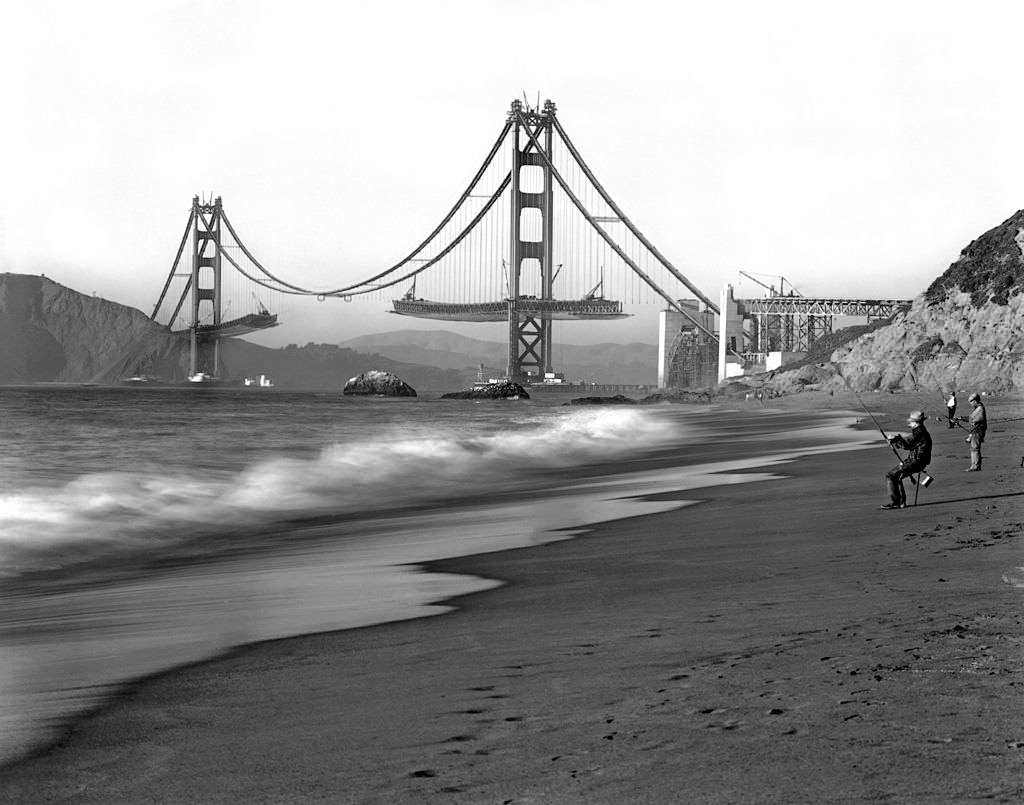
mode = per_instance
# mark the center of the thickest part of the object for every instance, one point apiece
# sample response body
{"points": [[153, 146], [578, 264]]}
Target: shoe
{"points": [[973, 469], [893, 506]]}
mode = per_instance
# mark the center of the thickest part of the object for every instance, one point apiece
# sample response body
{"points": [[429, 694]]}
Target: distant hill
{"points": [[599, 363], [50, 333]]}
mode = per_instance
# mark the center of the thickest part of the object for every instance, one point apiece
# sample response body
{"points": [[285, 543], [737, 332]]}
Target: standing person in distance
{"points": [[919, 447], [978, 420], [951, 408]]}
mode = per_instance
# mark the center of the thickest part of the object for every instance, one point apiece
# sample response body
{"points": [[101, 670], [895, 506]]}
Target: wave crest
{"points": [[146, 509]]}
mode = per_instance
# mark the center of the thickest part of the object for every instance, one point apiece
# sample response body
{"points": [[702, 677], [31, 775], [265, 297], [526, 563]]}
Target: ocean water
{"points": [[142, 529]]}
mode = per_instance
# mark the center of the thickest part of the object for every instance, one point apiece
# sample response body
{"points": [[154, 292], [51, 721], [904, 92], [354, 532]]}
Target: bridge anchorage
{"points": [[784, 325]]}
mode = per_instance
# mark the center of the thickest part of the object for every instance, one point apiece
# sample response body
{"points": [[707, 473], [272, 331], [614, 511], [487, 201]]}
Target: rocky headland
{"points": [[966, 331]]}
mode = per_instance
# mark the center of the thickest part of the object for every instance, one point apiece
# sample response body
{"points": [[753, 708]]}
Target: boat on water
{"points": [[201, 377], [482, 381], [262, 382]]}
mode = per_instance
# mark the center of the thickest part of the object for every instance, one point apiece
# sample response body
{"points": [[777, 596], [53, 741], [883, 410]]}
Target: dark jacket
{"points": [[978, 420], [919, 446]]}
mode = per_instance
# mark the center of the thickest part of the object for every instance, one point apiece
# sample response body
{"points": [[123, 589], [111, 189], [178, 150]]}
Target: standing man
{"points": [[919, 446], [978, 420], [951, 407]]}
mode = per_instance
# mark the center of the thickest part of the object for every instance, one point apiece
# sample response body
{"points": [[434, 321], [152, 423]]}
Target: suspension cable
{"points": [[615, 208], [611, 243], [351, 290], [174, 265], [342, 291]]}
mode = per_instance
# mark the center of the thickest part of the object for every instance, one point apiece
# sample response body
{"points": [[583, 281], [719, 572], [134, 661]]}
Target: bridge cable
{"points": [[174, 265], [262, 283], [615, 208], [465, 232], [341, 291], [181, 301], [612, 244], [444, 252]]}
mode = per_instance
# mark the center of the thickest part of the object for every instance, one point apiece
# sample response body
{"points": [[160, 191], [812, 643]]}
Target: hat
{"points": [[974, 397], [916, 417]]}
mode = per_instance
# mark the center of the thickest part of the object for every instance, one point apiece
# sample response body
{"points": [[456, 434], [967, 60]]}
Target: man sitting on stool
{"points": [[919, 446]]}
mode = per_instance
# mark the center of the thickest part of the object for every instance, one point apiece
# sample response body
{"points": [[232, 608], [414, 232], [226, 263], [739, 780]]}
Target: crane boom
{"points": [[771, 288]]}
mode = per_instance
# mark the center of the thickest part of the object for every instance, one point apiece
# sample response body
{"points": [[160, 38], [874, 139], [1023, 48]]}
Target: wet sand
{"points": [[780, 641]]}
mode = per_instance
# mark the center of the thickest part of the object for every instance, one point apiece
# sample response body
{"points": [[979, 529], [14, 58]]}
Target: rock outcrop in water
{"points": [[379, 384], [966, 331], [678, 396], [617, 399], [503, 390]]}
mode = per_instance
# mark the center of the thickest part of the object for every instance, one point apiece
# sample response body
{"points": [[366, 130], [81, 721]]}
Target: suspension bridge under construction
{"points": [[534, 238]]}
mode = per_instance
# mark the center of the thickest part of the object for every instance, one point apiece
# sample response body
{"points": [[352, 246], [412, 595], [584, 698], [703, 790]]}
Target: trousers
{"points": [[975, 442], [894, 482]]}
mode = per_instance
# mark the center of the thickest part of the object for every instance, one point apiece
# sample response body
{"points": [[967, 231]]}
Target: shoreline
{"points": [[618, 631], [321, 579]]}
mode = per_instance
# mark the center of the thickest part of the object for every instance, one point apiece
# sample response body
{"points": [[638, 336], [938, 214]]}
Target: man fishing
{"points": [[919, 447], [978, 420], [951, 409]]}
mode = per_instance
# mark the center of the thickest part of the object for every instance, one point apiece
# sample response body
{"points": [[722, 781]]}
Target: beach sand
{"points": [[780, 641]]}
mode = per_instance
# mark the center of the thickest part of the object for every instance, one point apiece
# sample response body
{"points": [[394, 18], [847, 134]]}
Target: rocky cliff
{"points": [[49, 333], [966, 331]]}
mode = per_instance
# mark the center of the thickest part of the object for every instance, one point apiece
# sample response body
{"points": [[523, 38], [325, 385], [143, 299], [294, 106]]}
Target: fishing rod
{"points": [[877, 425], [954, 420], [938, 387]]}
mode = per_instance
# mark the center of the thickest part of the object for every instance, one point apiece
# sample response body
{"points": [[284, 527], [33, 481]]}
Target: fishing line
{"points": [[938, 388], [877, 425]]}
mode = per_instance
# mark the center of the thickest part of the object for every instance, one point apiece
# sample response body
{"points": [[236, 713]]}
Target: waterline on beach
{"points": [[66, 652]]}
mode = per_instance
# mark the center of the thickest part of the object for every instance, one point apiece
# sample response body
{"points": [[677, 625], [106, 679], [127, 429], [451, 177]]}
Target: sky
{"points": [[854, 149]]}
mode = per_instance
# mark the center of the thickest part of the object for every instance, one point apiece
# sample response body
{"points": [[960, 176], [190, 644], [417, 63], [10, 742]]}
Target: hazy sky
{"points": [[852, 148]]}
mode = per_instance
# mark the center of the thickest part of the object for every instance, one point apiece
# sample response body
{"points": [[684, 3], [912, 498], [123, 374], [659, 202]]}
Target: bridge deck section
{"points": [[249, 323], [822, 306], [555, 309]]}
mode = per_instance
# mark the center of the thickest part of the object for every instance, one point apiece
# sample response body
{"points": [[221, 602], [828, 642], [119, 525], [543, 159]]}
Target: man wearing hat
{"points": [[919, 447], [978, 420]]}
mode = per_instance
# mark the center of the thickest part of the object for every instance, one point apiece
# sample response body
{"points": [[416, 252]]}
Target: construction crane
{"points": [[771, 288]]}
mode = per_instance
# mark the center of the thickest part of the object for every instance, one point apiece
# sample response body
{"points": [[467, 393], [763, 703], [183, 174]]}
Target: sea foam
{"points": [[148, 508]]}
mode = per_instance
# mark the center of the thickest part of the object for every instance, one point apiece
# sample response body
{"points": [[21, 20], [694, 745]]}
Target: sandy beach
{"points": [[778, 641]]}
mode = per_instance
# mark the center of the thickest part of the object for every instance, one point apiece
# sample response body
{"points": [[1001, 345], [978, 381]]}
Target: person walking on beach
{"points": [[919, 446], [951, 408], [978, 420]]}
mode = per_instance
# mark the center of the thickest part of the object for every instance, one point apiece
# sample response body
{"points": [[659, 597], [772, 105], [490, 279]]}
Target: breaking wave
{"points": [[147, 509]]}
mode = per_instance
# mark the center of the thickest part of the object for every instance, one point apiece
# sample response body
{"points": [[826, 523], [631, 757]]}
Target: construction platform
{"points": [[553, 309], [249, 323]]}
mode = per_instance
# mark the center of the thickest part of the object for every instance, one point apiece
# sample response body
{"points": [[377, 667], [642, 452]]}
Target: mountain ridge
{"points": [[606, 362], [52, 334]]}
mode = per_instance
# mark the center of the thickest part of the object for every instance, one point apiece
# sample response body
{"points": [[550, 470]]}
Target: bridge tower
{"points": [[206, 267], [529, 337]]}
